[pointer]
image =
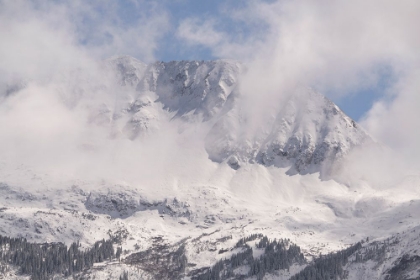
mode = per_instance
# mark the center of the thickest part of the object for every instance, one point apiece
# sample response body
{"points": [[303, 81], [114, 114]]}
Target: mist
{"points": [[338, 49], [54, 83], [52, 77]]}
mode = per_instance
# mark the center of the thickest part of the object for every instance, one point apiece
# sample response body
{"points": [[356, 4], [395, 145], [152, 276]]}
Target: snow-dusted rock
{"points": [[306, 131]]}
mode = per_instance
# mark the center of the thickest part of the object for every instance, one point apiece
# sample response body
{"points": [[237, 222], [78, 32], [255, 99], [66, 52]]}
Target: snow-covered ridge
{"points": [[192, 87], [308, 131], [305, 130]]}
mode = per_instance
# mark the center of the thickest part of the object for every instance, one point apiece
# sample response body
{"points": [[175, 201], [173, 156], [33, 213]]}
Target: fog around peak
{"points": [[53, 76]]}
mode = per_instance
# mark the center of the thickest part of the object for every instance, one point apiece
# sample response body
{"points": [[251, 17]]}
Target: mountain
{"points": [[308, 131], [305, 130], [174, 170]]}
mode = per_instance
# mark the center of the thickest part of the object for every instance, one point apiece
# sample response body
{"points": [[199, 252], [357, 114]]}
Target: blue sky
{"points": [[358, 104], [172, 48]]}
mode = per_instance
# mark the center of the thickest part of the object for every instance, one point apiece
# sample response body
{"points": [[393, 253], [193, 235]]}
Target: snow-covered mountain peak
{"points": [[306, 131], [301, 129], [129, 70], [197, 88]]}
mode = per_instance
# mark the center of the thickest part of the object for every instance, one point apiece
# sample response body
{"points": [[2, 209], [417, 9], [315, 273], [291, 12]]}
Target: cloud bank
{"points": [[50, 52], [52, 75]]}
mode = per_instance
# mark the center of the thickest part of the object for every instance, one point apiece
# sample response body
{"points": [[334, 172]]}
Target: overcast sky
{"points": [[363, 54]]}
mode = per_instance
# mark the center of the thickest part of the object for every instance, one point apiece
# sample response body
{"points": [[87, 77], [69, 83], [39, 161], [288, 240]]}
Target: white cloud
{"points": [[47, 42], [200, 32], [328, 44], [395, 121], [50, 52], [99, 28], [223, 40], [334, 46]]}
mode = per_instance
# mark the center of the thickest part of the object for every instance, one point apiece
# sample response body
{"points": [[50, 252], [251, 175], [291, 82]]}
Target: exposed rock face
{"points": [[113, 204], [125, 204], [192, 87], [309, 131]]}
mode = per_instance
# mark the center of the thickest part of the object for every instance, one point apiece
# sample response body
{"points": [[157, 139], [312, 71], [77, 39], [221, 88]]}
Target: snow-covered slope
{"points": [[208, 220]]}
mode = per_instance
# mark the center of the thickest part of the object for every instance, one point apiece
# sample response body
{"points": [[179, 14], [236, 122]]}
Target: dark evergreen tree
{"points": [[42, 261], [329, 266], [124, 276], [278, 254]]}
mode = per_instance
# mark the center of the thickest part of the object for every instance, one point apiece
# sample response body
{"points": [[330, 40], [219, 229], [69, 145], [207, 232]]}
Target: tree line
{"points": [[329, 266], [42, 261], [278, 254], [281, 254]]}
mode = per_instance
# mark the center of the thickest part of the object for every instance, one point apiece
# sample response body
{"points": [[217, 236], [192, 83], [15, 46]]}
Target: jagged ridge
{"points": [[306, 130]]}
